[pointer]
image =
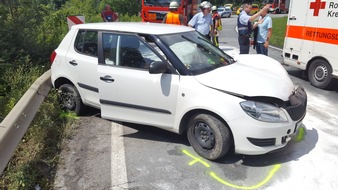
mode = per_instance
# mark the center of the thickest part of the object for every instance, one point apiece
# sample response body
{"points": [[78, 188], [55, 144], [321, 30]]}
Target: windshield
{"points": [[160, 2], [197, 54]]}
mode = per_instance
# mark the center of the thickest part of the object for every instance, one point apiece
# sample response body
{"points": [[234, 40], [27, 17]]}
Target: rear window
{"points": [[86, 42]]}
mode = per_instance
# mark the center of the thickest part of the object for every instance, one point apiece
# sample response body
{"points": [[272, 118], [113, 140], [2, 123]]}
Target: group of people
{"points": [[257, 34], [205, 23], [250, 32]]}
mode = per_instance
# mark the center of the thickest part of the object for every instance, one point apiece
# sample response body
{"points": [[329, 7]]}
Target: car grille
{"points": [[263, 142], [297, 104]]}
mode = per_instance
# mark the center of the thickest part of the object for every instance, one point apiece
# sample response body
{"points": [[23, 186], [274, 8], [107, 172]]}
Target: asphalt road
{"points": [[108, 155]]}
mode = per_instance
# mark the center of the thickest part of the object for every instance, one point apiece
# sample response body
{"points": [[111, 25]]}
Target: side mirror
{"points": [[157, 67]]}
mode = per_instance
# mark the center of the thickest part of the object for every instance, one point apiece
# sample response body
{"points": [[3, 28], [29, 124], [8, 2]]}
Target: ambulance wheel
{"points": [[320, 73], [209, 136]]}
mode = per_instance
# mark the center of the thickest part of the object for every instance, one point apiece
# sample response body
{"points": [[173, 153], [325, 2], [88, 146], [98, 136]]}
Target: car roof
{"points": [[136, 27]]}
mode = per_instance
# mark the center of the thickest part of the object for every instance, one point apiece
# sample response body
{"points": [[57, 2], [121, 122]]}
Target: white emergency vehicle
{"points": [[311, 40]]}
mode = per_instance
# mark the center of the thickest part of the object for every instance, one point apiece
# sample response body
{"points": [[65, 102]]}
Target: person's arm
{"points": [[181, 19], [257, 23], [267, 41], [164, 19], [216, 25], [192, 22], [211, 27], [115, 17], [255, 16], [103, 17]]}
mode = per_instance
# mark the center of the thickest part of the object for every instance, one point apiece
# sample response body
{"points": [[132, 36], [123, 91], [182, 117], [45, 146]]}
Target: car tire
{"points": [[209, 137], [70, 99], [320, 73]]}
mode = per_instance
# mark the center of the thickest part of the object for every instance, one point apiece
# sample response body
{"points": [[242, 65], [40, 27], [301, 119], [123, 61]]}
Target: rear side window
{"points": [[86, 42]]}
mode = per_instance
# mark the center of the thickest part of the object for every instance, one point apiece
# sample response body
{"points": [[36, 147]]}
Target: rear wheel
{"points": [[209, 137], [70, 99], [320, 73]]}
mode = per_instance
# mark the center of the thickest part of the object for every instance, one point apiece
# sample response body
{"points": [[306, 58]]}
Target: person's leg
{"points": [[216, 41], [265, 50], [259, 48], [244, 44]]}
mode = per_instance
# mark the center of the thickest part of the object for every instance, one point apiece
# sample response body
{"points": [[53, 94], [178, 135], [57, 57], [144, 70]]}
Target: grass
{"points": [[278, 31], [36, 157]]}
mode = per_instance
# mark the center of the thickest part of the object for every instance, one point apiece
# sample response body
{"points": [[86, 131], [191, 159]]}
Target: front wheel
{"points": [[209, 137], [320, 73], [70, 99]]}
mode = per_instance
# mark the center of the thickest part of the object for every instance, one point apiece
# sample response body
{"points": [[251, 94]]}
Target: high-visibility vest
{"points": [[173, 18]]}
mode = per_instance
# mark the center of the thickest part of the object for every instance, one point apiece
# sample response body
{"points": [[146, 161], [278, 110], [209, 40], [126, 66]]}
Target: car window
{"points": [[86, 42], [127, 51]]}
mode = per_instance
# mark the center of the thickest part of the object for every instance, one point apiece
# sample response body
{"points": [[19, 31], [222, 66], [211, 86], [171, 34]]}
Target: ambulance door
{"points": [[297, 19]]}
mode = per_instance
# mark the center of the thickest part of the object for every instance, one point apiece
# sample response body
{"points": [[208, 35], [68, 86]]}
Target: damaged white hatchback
{"points": [[171, 77]]}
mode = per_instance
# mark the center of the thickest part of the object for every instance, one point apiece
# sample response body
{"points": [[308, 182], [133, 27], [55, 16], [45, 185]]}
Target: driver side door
{"points": [[128, 92]]}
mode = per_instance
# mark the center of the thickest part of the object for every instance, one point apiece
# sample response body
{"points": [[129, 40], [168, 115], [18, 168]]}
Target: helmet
{"points": [[214, 8], [173, 5], [203, 3], [207, 5]]}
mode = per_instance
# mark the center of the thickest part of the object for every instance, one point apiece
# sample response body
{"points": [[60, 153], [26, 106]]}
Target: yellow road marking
{"points": [[213, 174]]}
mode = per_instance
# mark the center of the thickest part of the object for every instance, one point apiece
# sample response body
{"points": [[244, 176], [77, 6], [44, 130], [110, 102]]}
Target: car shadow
{"points": [[299, 145], [155, 134]]}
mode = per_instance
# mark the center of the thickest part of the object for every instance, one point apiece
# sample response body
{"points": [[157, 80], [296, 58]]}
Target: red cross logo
{"points": [[316, 6]]}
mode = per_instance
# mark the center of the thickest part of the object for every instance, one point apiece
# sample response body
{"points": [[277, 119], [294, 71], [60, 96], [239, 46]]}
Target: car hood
{"points": [[251, 75]]}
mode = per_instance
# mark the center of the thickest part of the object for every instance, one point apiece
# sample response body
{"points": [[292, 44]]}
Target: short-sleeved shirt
{"points": [[201, 23], [244, 18], [263, 29]]}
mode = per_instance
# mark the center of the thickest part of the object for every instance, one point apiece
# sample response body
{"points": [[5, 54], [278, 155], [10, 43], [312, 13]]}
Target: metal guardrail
{"points": [[16, 123]]}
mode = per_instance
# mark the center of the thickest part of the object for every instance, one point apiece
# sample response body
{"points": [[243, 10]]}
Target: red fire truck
{"points": [[279, 6], [155, 10]]}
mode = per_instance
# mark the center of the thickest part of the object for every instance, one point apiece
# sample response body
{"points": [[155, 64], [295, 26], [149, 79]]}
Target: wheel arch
{"points": [[62, 80], [315, 58]]}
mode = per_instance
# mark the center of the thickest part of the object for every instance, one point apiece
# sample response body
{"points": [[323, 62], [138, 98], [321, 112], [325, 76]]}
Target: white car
{"points": [[173, 78]]}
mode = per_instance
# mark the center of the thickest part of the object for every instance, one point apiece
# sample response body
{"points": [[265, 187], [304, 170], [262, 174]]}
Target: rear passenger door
{"points": [[82, 63], [128, 92]]}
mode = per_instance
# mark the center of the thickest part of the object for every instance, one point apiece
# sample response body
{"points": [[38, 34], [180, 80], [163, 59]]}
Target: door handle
{"points": [[107, 78], [73, 62], [292, 18]]}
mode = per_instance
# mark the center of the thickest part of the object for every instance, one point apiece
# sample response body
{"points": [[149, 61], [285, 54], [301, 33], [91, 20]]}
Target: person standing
{"points": [[202, 21], [264, 33], [244, 26], [173, 16], [215, 19], [108, 15]]}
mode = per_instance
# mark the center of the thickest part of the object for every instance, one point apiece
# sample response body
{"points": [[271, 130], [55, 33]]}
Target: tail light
{"points": [[52, 57]]}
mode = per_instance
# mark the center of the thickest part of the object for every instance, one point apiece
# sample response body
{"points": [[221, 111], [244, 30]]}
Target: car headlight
{"points": [[264, 112]]}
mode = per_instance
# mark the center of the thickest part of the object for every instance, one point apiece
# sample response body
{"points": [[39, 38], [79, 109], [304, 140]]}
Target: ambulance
{"points": [[311, 40]]}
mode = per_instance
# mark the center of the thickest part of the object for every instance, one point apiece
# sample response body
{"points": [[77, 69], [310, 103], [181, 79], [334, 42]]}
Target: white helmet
{"points": [[174, 5], [205, 5], [214, 8]]}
